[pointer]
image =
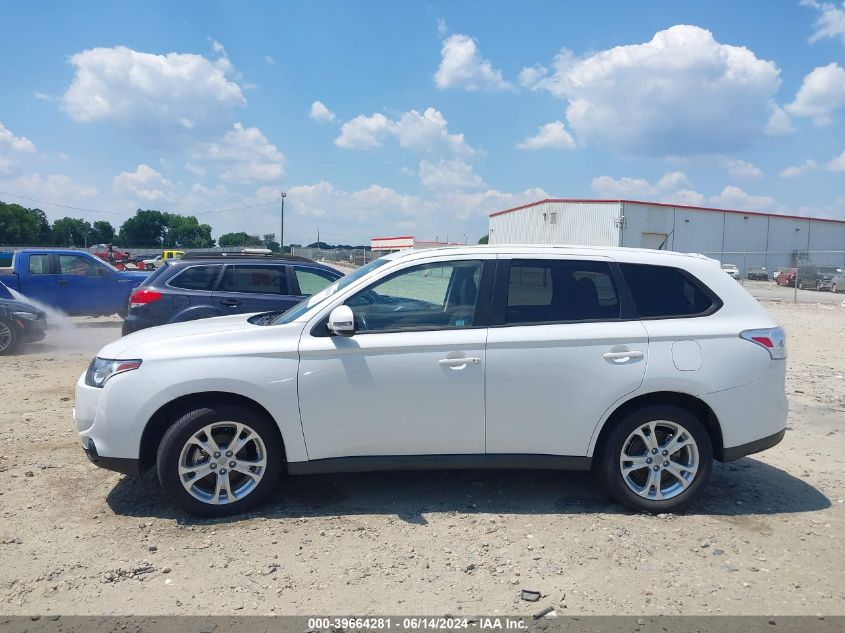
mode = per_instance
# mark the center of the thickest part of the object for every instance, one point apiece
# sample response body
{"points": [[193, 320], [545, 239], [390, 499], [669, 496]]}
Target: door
{"points": [[560, 351], [253, 288], [86, 286], [411, 379], [310, 280]]}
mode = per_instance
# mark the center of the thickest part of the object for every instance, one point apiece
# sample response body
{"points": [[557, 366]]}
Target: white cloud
{"points": [[244, 155], [15, 143], [735, 198], [837, 163], [550, 136], [6, 165], [426, 132], [195, 169], [796, 171], [217, 47], [442, 29], [151, 92], [821, 93], [56, 187], [320, 113], [449, 175], [461, 66], [268, 59], [779, 122], [682, 93], [743, 170], [145, 183], [831, 20], [673, 186]]}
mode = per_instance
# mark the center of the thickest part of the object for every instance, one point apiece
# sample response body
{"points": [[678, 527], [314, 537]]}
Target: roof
{"points": [[665, 204]]}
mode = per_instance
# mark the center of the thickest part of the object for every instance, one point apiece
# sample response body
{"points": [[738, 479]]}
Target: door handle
{"points": [[232, 303], [622, 355], [458, 362]]}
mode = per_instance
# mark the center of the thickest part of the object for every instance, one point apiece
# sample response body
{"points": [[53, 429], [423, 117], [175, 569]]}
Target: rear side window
{"points": [[39, 264], [196, 278], [312, 280], [257, 279], [666, 292], [550, 291]]}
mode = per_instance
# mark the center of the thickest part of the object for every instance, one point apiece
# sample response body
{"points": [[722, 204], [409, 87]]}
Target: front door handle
{"points": [[232, 303], [622, 355], [458, 362]]}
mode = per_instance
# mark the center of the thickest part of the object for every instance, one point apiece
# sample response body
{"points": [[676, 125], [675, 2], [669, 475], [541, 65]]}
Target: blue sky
{"points": [[382, 118]]}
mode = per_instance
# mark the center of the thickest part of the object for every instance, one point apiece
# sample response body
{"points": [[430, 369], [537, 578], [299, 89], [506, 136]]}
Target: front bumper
{"points": [[125, 465]]}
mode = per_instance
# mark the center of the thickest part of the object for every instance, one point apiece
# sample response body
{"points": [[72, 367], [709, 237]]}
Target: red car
{"points": [[786, 277], [110, 254]]}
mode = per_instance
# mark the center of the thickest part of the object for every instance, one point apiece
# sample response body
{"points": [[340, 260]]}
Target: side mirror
{"points": [[342, 321]]}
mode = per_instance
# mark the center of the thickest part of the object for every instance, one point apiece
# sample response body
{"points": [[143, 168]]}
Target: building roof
{"points": [[665, 204]]}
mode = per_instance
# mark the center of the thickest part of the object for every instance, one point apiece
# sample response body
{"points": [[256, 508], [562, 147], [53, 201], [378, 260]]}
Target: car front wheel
{"points": [[220, 459], [8, 337], [656, 459]]}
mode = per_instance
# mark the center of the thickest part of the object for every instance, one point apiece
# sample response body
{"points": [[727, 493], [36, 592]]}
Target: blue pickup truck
{"points": [[74, 282]]}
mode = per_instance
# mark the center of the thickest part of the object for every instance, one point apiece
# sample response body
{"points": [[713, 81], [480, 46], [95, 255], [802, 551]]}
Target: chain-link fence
{"points": [[341, 256]]}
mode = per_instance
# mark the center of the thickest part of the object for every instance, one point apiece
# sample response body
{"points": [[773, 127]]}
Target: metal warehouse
{"points": [[744, 238]]}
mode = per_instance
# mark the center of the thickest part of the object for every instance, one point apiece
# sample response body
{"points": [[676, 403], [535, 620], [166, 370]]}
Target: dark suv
{"points": [[200, 286], [816, 277]]}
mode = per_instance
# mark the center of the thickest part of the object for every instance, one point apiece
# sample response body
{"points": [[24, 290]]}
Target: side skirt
{"points": [[368, 463]]}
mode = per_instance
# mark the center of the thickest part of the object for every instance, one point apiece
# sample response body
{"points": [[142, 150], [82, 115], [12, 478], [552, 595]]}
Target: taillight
{"points": [[772, 339], [142, 296]]}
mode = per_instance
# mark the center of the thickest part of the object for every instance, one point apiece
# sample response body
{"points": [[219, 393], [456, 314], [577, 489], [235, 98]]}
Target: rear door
{"points": [[310, 280], [562, 348], [258, 287]]}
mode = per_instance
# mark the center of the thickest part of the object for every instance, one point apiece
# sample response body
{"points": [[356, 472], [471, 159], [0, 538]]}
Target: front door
{"points": [[560, 351], [411, 379], [253, 288], [86, 285]]}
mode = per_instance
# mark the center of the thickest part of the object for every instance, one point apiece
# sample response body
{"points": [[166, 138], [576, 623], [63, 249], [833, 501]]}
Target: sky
{"points": [[413, 118]]}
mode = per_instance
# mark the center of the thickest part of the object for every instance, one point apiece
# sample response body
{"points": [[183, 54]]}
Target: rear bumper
{"points": [[134, 323], [735, 452]]}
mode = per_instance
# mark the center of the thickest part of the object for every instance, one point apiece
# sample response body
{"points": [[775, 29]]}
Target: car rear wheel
{"points": [[656, 459], [833, 289], [219, 460], [8, 337]]}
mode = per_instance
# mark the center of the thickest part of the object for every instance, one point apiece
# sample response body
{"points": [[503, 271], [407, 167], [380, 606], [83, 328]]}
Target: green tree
{"points": [[45, 233], [239, 239], [484, 239], [18, 225], [146, 229], [185, 231], [72, 232], [103, 232]]}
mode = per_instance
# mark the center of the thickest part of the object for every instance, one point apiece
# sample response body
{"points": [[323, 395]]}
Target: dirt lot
{"points": [[767, 539]]}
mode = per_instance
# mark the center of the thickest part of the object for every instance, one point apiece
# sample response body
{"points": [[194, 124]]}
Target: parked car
{"points": [[20, 323], [817, 277], [786, 277], [837, 284], [643, 365], [758, 273], [200, 286], [160, 260], [75, 282], [108, 253], [732, 270]]}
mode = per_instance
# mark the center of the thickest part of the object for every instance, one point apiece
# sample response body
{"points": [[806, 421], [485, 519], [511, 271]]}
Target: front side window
{"points": [[430, 296], [666, 292], [39, 264], [312, 280], [255, 279], [553, 291], [76, 265], [196, 278]]}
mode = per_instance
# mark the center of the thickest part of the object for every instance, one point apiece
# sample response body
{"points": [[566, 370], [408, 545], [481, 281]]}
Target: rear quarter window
{"points": [[664, 292], [196, 278]]}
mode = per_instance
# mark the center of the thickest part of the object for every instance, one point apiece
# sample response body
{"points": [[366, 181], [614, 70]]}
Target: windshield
{"points": [[306, 304]]}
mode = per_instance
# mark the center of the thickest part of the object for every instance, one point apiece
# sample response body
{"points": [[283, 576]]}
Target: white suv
{"points": [[644, 365]]}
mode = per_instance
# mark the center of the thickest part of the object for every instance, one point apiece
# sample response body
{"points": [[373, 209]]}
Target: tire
{"points": [[9, 338], [670, 422], [180, 449], [834, 289]]}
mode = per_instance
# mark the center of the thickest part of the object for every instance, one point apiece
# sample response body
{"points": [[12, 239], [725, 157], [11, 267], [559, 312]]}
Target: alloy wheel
{"points": [[659, 460], [5, 336], [222, 463]]}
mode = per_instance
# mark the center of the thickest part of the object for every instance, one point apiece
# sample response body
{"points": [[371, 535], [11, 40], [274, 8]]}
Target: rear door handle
{"points": [[458, 362], [622, 355], [232, 303]]}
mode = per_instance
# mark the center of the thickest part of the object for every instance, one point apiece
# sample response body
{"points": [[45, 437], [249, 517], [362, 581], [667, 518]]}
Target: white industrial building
{"points": [[744, 238]]}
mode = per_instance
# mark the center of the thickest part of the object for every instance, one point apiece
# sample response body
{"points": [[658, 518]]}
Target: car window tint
{"points": [[39, 264], [196, 278], [551, 291], [255, 279], [429, 296], [311, 280], [76, 265], [665, 292]]}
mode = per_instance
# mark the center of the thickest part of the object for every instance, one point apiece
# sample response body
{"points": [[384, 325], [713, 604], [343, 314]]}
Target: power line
{"points": [[67, 206]]}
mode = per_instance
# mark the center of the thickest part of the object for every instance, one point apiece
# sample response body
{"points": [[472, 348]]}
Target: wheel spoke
{"points": [[649, 440], [653, 482], [678, 441], [244, 470], [631, 464], [196, 468], [239, 442]]}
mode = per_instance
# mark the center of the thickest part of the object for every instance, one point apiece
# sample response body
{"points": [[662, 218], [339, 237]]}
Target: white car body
{"points": [[732, 270], [528, 395]]}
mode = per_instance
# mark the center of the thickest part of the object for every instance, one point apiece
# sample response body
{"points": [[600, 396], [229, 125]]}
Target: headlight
{"points": [[29, 316], [101, 369]]}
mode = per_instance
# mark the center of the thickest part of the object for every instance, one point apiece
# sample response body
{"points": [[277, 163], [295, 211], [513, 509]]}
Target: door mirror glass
{"points": [[342, 321]]}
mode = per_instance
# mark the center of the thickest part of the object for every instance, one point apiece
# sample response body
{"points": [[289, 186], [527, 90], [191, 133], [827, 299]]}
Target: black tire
{"points": [[192, 422], [609, 470], [9, 338]]}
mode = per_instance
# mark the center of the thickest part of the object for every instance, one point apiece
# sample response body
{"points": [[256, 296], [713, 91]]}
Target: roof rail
{"points": [[213, 255]]}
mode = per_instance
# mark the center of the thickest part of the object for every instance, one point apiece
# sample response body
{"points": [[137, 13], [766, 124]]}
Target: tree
{"points": [[484, 239], [185, 231], [45, 233], [147, 229], [72, 232], [103, 232], [18, 225], [239, 239]]}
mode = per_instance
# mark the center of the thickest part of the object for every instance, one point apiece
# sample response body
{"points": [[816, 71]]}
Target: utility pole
{"points": [[282, 227], [318, 238]]}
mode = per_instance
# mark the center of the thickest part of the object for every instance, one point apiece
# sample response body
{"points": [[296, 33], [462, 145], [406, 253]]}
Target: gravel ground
{"points": [[766, 539]]}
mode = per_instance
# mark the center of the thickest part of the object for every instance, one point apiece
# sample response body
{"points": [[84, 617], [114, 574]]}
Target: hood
{"points": [[228, 335], [137, 276], [17, 306]]}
